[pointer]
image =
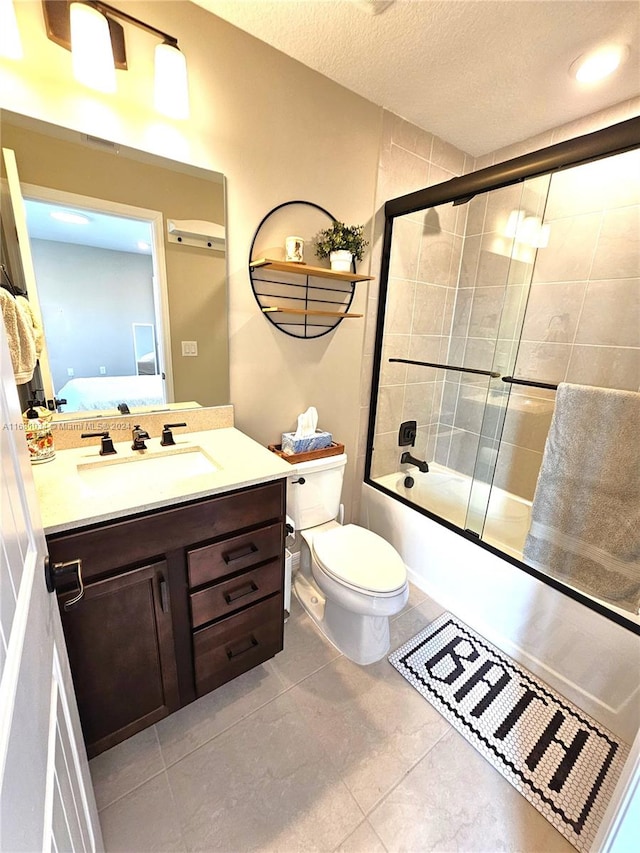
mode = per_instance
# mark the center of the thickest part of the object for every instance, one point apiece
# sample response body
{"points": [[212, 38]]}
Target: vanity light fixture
{"points": [[598, 64], [90, 29], [10, 44], [91, 51]]}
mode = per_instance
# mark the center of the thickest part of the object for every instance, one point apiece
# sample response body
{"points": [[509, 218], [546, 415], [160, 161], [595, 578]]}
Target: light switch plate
{"points": [[189, 348]]}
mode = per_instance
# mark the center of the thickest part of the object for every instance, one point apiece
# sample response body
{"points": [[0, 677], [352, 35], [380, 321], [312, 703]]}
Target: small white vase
{"points": [[341, 260]]}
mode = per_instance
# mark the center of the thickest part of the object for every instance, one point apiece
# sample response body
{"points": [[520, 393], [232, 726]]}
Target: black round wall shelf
{"points": [[302, 301]]}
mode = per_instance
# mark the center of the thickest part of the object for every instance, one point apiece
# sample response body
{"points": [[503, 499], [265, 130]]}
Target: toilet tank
{"points": [[317, 500]]}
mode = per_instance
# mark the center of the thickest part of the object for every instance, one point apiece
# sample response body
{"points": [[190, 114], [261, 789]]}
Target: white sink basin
{"points": [[130, 472]]}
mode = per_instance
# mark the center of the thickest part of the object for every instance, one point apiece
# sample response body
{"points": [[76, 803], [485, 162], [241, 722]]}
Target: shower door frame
{"points": [[616, 139]]}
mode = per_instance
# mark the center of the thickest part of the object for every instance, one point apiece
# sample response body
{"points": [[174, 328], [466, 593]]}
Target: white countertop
{"points": [[75, 490]]}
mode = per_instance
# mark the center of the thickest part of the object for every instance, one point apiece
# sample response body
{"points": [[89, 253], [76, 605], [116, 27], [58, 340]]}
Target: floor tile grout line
{"points": [[240, 719], [287, 689], [132, 790], [409, 770], [353, 831], [167, 765], [176, 813]]}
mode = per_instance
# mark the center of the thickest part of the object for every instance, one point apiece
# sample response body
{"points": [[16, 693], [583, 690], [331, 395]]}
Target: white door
{"points": [[46, 796]]}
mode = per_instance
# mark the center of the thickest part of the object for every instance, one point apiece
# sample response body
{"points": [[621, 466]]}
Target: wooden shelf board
{"points": [[305, 269], [275, 309]]}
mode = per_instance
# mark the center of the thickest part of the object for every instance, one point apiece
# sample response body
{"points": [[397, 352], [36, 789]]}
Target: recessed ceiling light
{"points": [[142, 246], [70, 217], [598, 64]]}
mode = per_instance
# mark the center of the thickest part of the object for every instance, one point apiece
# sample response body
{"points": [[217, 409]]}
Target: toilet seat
{"points": [[360, 560]]}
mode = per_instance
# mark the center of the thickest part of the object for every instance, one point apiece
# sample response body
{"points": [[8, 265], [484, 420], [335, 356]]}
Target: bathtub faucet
{"points": [[411, 460]]}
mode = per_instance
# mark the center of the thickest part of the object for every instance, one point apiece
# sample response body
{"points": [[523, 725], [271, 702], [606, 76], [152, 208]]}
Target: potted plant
{"points": [[341, 244]]}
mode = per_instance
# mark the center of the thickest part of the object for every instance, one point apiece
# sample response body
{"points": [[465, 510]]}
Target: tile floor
{"points": [[310, 752]]}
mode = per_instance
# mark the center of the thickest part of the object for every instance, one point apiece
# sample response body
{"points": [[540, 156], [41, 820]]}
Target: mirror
{"points": [[96, 319]]}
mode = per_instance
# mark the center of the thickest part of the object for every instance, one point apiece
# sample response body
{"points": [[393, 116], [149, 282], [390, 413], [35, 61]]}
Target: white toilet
{"points": [[350, 580]]}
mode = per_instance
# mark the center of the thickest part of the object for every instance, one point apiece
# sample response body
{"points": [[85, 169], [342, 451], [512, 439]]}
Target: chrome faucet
{"points": [[139, 436]]}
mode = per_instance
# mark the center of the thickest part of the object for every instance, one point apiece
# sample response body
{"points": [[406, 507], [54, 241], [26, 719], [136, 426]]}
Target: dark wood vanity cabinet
{"points": [[120, 643], [176, 603]]}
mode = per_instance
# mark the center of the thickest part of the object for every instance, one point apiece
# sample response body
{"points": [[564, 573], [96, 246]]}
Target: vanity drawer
{"points": [[228, 648], [233, 555], [229, 595]]}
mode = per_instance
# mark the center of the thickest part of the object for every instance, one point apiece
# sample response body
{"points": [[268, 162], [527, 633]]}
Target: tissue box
{"points": [[318, 441]]}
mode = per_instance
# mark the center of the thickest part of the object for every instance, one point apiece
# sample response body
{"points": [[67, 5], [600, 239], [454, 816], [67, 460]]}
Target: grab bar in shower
{"points": [[491, 373], [530, 382]]}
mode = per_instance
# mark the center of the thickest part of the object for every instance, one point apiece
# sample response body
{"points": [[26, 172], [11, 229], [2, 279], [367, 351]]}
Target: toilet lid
{"points": [[360, 558]]}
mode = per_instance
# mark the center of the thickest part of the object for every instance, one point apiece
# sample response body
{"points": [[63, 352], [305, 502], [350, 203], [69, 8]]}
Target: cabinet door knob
{"points": [[53, 572]]}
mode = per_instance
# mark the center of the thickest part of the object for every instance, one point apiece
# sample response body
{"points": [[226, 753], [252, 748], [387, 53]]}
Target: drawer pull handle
{"points": [[245, 551], [230, 597], [235, 653]]}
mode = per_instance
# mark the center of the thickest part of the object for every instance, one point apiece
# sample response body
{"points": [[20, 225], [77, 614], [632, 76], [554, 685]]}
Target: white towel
{"points": [[36, 328], [585, 519], [21, 338]]}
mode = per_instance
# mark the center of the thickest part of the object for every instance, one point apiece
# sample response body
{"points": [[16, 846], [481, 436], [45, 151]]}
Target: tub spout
{"points": [[411, 460]]}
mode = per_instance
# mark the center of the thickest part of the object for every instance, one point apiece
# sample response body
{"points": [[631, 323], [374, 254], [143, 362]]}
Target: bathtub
{"points": [[547, 631], [447, 494]]}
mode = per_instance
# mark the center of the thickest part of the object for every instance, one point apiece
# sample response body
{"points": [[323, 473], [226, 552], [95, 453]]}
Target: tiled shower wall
{"points": [[490, 301], [588, 332], [423, 275]]}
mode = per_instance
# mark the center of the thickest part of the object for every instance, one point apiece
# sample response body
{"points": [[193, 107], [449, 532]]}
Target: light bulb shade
{"points": [[91, 51], [171, 84], [10, 44]]}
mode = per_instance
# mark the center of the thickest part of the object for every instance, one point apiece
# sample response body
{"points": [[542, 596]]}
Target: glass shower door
{"points": [[493, 514]]}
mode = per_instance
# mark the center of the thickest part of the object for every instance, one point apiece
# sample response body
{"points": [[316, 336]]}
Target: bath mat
{"points": [[563, 761]]}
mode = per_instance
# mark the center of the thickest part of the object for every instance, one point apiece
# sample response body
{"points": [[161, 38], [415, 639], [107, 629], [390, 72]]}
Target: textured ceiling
{"points": [[481, 74]]}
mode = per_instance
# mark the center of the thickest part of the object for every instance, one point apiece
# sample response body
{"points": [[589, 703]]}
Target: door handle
{"points": [[55, 571], [164, 595]]}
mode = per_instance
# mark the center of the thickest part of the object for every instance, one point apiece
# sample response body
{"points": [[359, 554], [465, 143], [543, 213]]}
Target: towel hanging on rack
{"points": [[585, 518], [36, 328], [21, 337]]}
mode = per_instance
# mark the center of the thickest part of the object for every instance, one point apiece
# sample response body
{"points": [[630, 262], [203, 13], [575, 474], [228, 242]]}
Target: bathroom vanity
{"points": [[183, 577]]}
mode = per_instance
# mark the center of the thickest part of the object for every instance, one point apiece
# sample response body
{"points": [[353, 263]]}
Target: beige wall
{"points": [[278, 131]]}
